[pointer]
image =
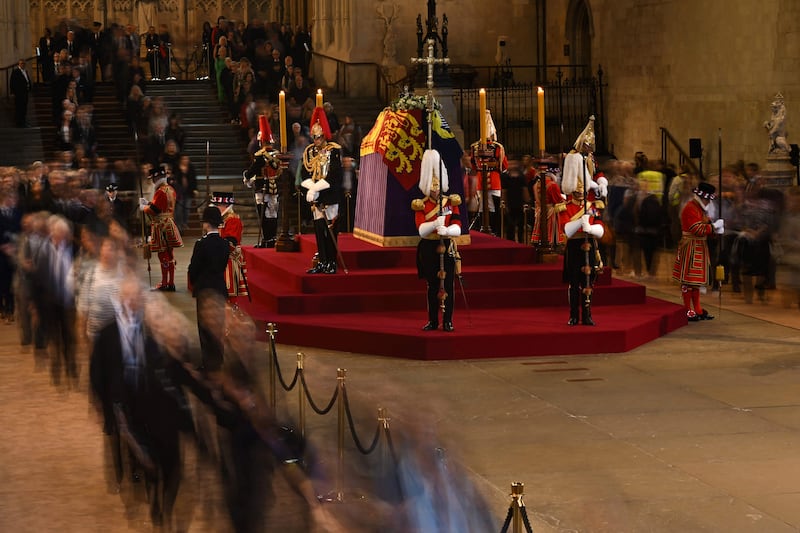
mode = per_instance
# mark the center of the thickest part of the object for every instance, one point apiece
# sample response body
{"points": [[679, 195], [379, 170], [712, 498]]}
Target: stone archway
{"points": [[579, 31]]}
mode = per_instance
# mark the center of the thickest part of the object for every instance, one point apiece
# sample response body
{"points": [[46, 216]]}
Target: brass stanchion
{"points": [[301, 399], [337, 495], [525, 214], [273, 370], [517, 525], [502, 234], [386, 451]]}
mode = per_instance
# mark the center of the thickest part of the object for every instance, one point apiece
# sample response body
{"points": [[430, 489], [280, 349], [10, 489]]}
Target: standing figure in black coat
{"points": [[322, 173], [20, 88], [207, 283]]}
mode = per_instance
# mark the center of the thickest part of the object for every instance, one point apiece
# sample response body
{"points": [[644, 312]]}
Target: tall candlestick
{"points": [[319, 97], [482, 116], [540, 104], [282, 108]]}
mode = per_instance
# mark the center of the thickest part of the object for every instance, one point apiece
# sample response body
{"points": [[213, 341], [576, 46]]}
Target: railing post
{"points": [[517, 525], [339, 493], [301, 404], [273, 371]]}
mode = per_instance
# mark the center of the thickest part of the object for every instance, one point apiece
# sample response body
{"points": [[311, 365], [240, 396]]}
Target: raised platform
{"points": [[513, 308]]}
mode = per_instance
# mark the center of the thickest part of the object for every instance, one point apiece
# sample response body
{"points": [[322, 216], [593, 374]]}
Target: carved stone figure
{"points": [[776, 127]]}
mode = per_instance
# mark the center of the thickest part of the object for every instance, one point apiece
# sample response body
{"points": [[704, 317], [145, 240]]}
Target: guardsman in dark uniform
{"points": [[206, 279], [322, 173], [262, 177], [438, 220]]}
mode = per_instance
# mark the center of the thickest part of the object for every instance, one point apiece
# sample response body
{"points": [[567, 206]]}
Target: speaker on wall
{"points": [[695, 148]]}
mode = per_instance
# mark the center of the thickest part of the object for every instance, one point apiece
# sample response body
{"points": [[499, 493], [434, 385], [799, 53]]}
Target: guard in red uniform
{"points": [[164, 234], [555, 205], [692, 263], [438, 220], [231, 230], [496, 165]]}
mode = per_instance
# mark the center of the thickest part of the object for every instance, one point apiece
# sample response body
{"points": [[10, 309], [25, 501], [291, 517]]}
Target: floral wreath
{"points": [[408, 101]]}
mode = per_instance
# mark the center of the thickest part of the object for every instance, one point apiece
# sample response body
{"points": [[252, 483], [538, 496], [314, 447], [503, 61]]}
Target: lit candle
{"points": [[482, 116], [540, 104], [282, 107], [319, 97]]}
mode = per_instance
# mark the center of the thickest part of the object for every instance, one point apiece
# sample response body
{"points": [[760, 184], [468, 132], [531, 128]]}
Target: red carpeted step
{"points": [[480, 333], [513, 306]]}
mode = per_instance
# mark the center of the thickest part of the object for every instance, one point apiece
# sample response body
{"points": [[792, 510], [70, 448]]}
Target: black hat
{"points": [[705, 190], [222, 198], [156, 173], [212, 215], [112, 187]]}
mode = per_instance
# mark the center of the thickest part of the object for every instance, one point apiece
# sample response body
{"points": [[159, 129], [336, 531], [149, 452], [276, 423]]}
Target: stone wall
{"points": [[697, 68]]}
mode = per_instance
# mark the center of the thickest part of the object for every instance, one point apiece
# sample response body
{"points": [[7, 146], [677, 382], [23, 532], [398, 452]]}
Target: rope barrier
{"points": [[517, 517], [364, 450]]}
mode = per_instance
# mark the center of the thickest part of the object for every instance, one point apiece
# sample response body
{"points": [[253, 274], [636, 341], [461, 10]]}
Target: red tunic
{"points": [[164, 233], [692, 262], [555, 206], [236, 271], [499, 163]]}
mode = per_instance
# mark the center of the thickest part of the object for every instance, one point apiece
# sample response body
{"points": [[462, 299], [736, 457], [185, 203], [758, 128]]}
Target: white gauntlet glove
{"points": [[719, 226], [143, 204], [602, 187]]}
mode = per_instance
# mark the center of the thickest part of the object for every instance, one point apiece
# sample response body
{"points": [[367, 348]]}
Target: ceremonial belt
{"points": [[690, 235], [435, 212]]}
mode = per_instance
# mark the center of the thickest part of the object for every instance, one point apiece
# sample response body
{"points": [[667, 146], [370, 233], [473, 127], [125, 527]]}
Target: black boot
{"points": [[574, 294], [587, 310], [322, 262], [260, 213], [270, 232], [330, 250]]}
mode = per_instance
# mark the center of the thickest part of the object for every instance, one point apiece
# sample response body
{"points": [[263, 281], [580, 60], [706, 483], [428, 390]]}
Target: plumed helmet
{"points": [[491, 130], [587, 136], [433, 173], [319, 124], [264, 130]]}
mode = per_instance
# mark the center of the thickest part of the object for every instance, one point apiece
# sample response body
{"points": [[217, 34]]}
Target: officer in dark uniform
{"points": [[262, 177], [207, 283], [322, 180]]}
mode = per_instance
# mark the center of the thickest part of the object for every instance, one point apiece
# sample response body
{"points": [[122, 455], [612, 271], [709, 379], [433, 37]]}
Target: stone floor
{"points": [[696, 431]]}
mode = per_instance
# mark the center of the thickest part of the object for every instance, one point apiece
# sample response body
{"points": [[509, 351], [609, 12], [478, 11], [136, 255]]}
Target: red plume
{"points": [[319, 116], [266, 132]]}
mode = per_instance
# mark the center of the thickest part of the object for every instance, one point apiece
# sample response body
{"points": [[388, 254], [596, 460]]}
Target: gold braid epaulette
{"points": [[418, 204], [455, 199]]}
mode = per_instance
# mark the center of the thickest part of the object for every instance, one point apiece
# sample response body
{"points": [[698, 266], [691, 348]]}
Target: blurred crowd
{"points": [[642, 218]]}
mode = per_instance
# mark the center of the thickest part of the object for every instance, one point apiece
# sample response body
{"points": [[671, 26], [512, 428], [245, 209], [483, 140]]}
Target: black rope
{"points": [[278, 368], [311, 400], [525, 520], [507, 523], [356, 440]]}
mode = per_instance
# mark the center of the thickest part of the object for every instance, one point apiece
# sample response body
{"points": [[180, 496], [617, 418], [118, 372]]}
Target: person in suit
{"points": [[95, 42], [47, 46], [206, 279], [20, 88]]}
